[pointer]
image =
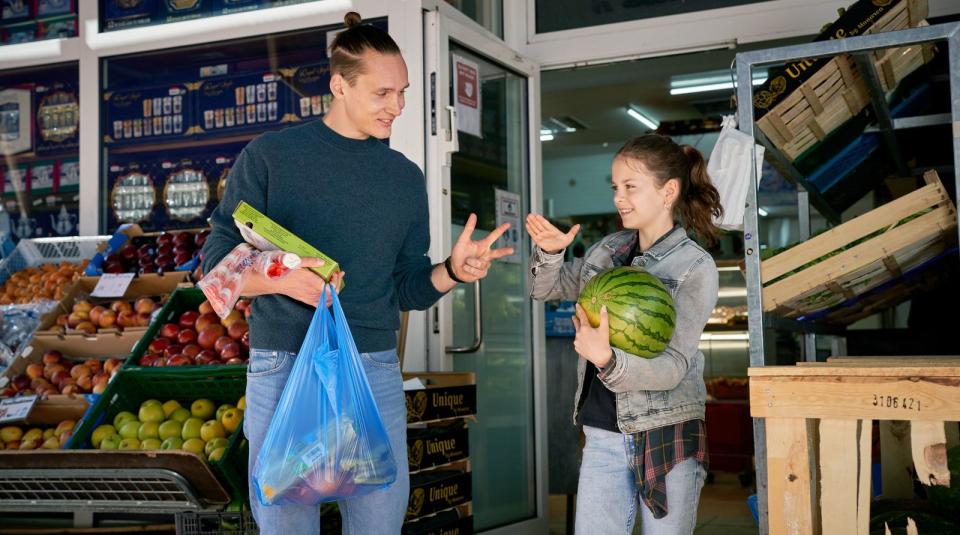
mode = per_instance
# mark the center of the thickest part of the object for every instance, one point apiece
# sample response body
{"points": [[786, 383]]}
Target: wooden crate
{"points": [[836, 92], [792, 287], [819, 418]]}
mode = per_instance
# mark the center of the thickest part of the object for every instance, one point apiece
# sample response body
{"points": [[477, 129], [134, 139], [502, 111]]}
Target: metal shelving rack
{"points": [[858, 47]]}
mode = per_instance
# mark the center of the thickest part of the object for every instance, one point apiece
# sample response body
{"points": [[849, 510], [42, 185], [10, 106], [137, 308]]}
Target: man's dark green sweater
{"points": [[360, 202]]}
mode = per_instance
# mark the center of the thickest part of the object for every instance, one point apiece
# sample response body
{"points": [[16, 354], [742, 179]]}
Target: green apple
{"points": [[212, 429], [130, 429], [203, 409], [222, 409], [151, 403], [110, 442], [150, 444], [148, 430], [191, 428], [172, 443], [100, 433], [214, 444], [151, 413], [129, 444], [170, 428], [180, 414], [216, 455], [193, 445], [170, 406], [122, 418]]}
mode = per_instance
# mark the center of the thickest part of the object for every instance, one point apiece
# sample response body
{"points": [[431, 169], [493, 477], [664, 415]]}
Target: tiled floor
{"points": [[723, 509]]}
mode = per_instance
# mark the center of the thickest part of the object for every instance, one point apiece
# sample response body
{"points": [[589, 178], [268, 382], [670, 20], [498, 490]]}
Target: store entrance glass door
{"points": [[480, 113]]}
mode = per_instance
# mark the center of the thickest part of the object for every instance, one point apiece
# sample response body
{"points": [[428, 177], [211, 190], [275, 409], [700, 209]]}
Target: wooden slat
{"points": [[788, 477], [878, 398], [890, 263], [926, 226], [928, 442], [839, 479], [880, 367], [864, 486], [852, 230]]}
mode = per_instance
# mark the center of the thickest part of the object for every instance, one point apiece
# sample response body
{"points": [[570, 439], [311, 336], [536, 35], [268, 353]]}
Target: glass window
{"points": [[487, 13], [557, 15]]}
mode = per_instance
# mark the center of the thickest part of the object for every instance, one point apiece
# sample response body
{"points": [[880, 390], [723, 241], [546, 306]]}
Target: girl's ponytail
{"points": [[699, 205]]}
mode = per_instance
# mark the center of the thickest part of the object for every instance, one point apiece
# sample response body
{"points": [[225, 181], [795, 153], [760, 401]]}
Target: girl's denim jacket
{"points": [[668, 388]]}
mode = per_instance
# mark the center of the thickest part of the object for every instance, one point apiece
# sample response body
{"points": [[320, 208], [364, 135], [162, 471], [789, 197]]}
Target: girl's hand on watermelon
{"points": [[592, 343], [548, 237]]}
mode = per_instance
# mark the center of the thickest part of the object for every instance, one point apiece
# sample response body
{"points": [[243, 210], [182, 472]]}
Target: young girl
{"points": [[643, 418]]}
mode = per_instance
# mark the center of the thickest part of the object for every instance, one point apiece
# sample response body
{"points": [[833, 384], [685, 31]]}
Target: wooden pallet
{"points": [[819, 418], [793, 289], [837, 93]]}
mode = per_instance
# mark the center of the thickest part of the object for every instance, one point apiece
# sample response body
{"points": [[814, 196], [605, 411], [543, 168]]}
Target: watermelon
{"points": [[639, 309]]}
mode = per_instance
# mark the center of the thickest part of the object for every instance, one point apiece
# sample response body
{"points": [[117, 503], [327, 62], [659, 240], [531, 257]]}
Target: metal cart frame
{"points": [[857, 46]]}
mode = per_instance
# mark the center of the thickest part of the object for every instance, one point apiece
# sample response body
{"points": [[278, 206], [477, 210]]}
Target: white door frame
{"points": [[443, 23]]}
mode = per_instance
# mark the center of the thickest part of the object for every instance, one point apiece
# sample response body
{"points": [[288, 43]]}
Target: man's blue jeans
{"points": [[377, 512]]}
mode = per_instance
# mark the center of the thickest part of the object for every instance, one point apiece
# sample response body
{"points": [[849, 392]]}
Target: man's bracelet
{"points": [[446, 264]]}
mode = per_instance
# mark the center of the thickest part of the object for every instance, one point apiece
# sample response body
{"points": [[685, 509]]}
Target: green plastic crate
{"points": [[181, 300], [131, 387]]}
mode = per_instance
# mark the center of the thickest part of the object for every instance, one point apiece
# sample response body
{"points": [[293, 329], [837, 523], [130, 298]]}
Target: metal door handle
{"points": [[477, 325]]}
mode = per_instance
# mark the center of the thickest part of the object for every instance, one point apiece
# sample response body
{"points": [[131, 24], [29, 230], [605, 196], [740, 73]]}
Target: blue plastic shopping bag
{"points": [[326, 440]]}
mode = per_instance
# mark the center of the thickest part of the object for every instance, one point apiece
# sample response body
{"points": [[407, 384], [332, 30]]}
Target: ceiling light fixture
{"points": [[649, 122], [546, 137], [709, 81]]}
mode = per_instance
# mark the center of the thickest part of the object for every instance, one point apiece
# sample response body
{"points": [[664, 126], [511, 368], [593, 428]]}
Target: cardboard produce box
{"points": [[76, 348], [437, 445], [150, 285], [436, 490], [457, 521], [438, 396]]}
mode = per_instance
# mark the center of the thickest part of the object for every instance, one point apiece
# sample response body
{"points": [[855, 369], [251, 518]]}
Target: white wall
{"points": [[590, 195]]}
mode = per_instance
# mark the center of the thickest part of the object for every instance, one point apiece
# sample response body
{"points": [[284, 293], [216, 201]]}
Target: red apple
{"points": [[242, 305], [187, 336], [206, 320], [52, 357], [144, 251], [164, 260], [119, 306], [34, 370], [237, 329], [39, 382], [183, 248], [203, 360], [165, 249], [149, 358], [182, 237], [170, 330], [182, 259], [144, 304], [51, 369], [8, 392], [107, 319], [188, 319], [21, 382], [191, 350], [112, 364], [58, 377], [207, 354], [95, 313], [221, 343], [172, 349], [230, 350], [165, 238], [160, 362], [87, 327], [200, 238], [127, 318], [114, 267], [159, 344], [128, 251], [234, 360], [208, 336], [179, 360], [94, 364], [245, 341]]}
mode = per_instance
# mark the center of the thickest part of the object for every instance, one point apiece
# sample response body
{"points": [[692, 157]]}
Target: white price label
{"points": [[113, 285], [16, 409]]}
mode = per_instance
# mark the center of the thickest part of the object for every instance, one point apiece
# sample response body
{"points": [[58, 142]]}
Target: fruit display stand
{"points": [[131, 250], [818, 424], [39, 251], [185, 385], [151, 286], [438, 407]]}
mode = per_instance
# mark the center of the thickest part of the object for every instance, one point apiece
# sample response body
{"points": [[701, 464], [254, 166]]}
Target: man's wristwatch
{"points": [[446, 264]]}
